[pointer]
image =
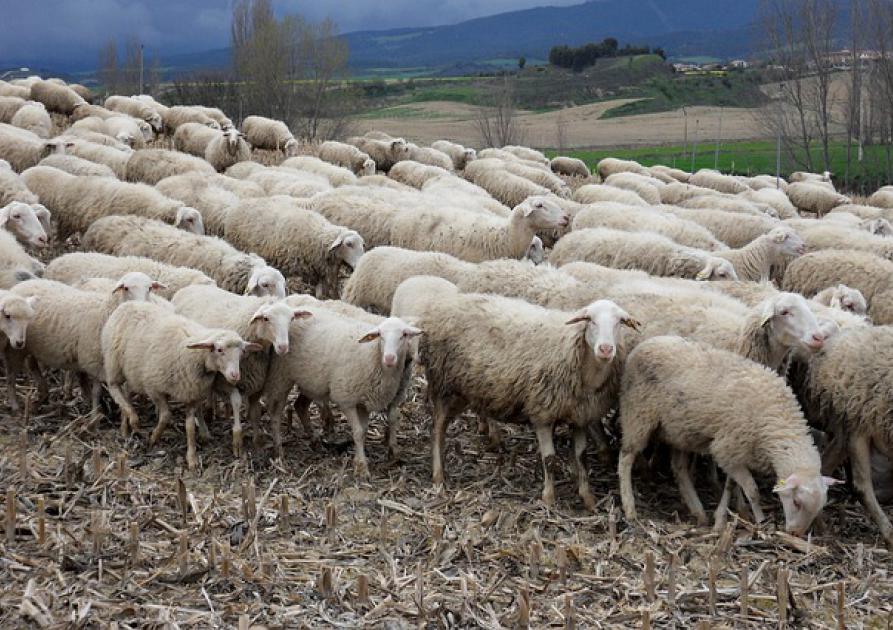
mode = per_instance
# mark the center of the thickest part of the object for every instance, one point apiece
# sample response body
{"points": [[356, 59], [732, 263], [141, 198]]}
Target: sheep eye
{"points": [[798, 504], [219, 350], [16, 216], [785, 313], [266, 319], [6, 315]]}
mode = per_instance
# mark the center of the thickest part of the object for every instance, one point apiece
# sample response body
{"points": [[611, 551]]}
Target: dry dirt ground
{"points": [[574, 127]]}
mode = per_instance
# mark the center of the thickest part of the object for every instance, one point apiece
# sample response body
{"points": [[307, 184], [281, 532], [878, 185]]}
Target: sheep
{"points": [[226, 149], [286, 181], [273, 135], [813, 198], [811, 178], [877, 226], [376, 134], [33, 117], [458, 154], [9, 105], [217, 115], [65, 330], [384, 153], [337, 175], [166, 357], [29, 223], [382, 181], [140, 130], [830, 235], [150, 166], [414, 173], [85, 110], [368, 210], [649, 252], [76, 202], [23, 149], [15, 264], [83, 91], [844, 298], [609, 166], [729, 204], [568, 166], [18, 91], [243, 170], [756, 260], [73, 165], [677, 193], [882, 198], [178, 115], [863, 212], [735, 230], [526, 153], [232, 270], [464, 194], [539, 176], [17, 313], [646, 188], [871, 275], [205, 195], [137, 109], [430, 157], [668, 174], [194, 138], [12, 188], [715, 180], [126, 132], [637, 219], [505, 187], [478, 353], [597, 193], [381, 270], [258, 320], [775, 439], [774, 198], [75, 267], [758, 182], [113, 158], [348, 156], [76, 134], [298, 241], [360, 367], [59, 99]]}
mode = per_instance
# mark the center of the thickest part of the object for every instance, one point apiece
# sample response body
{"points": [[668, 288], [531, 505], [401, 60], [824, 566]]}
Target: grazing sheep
{"points": [[9, 105], [167, 357], [823, 234], [648, 188], [735, 230], [83, 91], [74, 165], [12, 187], [526, 153], [505, 187], [66, 328], [86, 110], [348, 156], [539, 176], [139, 130], [287, 181], [811, 178], [33, 117], [609, 166], [258, 320], [638, 219], [458, 154], [59, 99], [882, 197], [16, 313], [205, 195], [871, 275], [414, 173], [337, 175], [464, 194], [430, 157], [877, 226], [270, 134], [756, 260], [75, 267], [232, 270], [17, 91], [478, 353], [29, 223], [178, 115], [150, 166], [844, 298], [111, 157], [15, 264], [715, 180], [568, 166], [194, 138], [597, 193], [75, 134], [774, 439], [76, 202], [669, 174], [648, 252], [136, 108], [730, 204], [676, 193], [776, 199], [385, 153], [814, 198], [298, 241], [23, 149], [127, 134], [216, 115], [382, 181], [244, 170]]}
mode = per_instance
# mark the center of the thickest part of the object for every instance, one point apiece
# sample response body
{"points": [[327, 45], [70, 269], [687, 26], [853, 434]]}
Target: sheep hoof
{"points": [[191, 461], [588, 501], [361, 469]]}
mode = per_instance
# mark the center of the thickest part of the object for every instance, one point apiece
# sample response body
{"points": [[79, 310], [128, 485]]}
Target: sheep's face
{"points": [[232, 137], [603, 319], [291, 147], [789, 243], [213, 124], [154, 120], [368, 167], [470, 155], [717, 269], [535, 252], [20, 219], [270, 323], [224, 351], [803, 495], [190, 220], [394, 340], [878, 227], [848, 299], [544, 214], [15, 315], [136, 287], [266, 281], [145, 130], [348, 247], [125, 138], [793, 322]]}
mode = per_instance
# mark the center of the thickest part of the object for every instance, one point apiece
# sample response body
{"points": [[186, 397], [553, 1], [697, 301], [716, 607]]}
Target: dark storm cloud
{"points": [[55, 29]]}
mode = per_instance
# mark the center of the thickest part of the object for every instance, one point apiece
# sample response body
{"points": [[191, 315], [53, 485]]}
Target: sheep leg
{"points": [[441, 419], [720, 516], [860, 461], [394, 419], [679, 464], [625, 474], [328, 420], [745, 480], [11, 367], [68, 385], [191, 459], [582, 470], [43, 390], [359, 422], [95, 398], [235, 400], [550, 461], [834, 454], [164, 417], [128, 413], [302, 408]]}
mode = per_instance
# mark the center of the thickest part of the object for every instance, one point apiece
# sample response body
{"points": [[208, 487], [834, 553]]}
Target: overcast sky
{"points": [[56, 28]]}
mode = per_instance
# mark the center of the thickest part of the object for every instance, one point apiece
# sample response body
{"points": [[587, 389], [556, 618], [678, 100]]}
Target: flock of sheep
{"points": [[744, 318]]}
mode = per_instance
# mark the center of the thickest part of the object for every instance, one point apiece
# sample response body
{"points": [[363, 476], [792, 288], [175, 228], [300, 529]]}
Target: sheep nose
{"points": [[41, 240], [605, 351], [233, 376], [564, 221], [281, 348], [19, 344], [389, 359], [817, 340]]}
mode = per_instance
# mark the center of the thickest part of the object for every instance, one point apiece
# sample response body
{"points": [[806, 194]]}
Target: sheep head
{"points": [[603, 319], [22, 220], [270, 324], [223, 352], [848, 299], [717, 269], [543, 213], [349, 247], [803, 495], [395, 338], [15, 314], [792, 321], [265, 280]]}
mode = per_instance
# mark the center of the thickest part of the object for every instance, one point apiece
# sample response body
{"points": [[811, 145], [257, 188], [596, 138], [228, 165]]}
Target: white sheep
{"points": [[776, 199], [756, 260], [774, 439], [86, 110], [178, 115], [708, 178], [29, 223], [815, 198], [505, 187], [9, 105], [150, 166], [669, 174], [464, 194], [348, 156], [12, 187], [526, 153], [648, 188], [735, 230], [414, 173], [60, 99], [137, 109], [844, 298], [226, 149], [569, 166], [23, 149], [205, 195], [337, 175], [194, 138], [167, 357], [287, 181], [731, 204], [17, 91], [597, 193], [115, 159], [430, 156], [16, 313], [270, 134], [459, 154], [385, 153], [297, 241], [33, 117], [74, 165], [608, 166], [15, 264]]}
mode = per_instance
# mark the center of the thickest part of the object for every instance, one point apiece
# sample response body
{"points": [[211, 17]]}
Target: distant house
{"points": [[739, 64]]}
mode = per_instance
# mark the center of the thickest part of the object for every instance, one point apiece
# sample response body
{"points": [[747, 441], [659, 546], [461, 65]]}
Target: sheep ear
{"points": [[768, 313], [337, 242], [412, 331], [251, 347], [632, 323], [119, 287], [252, 286], [581, 316], [157, 286], [43, 215], [300, 314], [4, 215], [787, 485], [32, 301], [201, 345], [830, 481], [527, 209], [780, 237], [372, 335]]}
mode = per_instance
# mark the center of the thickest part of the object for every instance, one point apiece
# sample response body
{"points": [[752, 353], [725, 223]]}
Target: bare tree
{"points": [[498, 123], [123, 76]]}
